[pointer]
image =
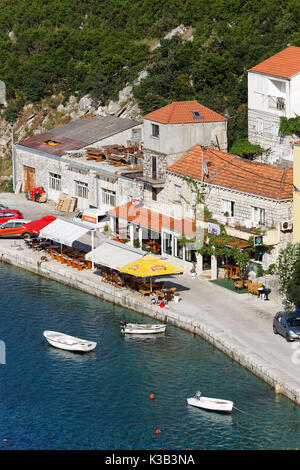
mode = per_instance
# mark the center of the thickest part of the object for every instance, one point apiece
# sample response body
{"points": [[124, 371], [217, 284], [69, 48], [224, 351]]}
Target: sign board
{"points": [[136, 200], [258, 240], [213, 228]]}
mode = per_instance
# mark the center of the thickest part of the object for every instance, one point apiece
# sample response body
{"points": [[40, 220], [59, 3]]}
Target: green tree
{"points": [[293, 285], [285, 269]]}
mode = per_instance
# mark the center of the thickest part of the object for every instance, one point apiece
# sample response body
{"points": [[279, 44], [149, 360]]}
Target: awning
{"points": [[114, 255], [63, 231]]}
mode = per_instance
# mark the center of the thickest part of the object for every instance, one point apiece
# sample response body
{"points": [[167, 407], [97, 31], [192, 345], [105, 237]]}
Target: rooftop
{"points": [[77, 134], [285, 64], [231, 171], [182, 112], [140, 215]]}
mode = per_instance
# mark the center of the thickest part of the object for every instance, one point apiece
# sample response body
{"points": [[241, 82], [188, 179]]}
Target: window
{"points": [[228, 207], [275, 129], [55, 181], [109, 197], [259, 126], [177, 192], [178, 249], [167, 243], [197, 115], [81, 189], [155, 130], [258, 215]]}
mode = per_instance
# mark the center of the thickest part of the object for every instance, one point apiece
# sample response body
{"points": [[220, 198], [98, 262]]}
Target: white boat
{"points": [[212, 404], [139, 328], [69, 343]]}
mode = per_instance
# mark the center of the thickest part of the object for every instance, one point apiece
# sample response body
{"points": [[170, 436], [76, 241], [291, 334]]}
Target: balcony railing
{"points": [[276, 102]]}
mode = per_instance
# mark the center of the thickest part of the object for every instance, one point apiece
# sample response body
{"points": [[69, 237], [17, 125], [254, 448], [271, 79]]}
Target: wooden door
{"points": [[29, 178]]}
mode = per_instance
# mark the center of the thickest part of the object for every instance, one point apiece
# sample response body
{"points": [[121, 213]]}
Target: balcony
{"points": [[276, 102], [244, 229]]}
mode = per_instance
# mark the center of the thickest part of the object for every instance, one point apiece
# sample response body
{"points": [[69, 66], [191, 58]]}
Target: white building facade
{"points": [[274, 92]]}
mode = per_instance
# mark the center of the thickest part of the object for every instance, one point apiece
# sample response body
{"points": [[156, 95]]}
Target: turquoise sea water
{"points": [[54, 399]]}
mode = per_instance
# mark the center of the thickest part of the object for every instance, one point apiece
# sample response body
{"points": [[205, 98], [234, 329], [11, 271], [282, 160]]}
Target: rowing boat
{"points": [[69, 343], [212, 404], [139, 328]]}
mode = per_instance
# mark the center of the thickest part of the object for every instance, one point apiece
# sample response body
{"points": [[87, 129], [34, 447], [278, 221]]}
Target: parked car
{"points": [[8, 214], [12, 228], [287, 324], [24, 229], [32, 229]]}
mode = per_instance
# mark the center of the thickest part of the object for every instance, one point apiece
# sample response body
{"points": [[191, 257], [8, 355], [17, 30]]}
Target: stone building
{"points": [[244, 196], [171, 131], [58, 161], [274, 92], [296, 187]]}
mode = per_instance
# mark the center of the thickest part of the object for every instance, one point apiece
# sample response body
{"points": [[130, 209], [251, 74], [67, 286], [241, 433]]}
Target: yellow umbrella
{"points": [[149, 266]]}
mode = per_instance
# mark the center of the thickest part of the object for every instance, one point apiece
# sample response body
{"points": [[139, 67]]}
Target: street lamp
{"points": [[13, 155]]}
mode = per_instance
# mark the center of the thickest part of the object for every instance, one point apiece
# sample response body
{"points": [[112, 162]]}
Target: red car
{"points": [[32, 229], [8, 214], [25, 230]]}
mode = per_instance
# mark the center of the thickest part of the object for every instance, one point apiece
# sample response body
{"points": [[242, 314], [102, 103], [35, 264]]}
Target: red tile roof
{"points": [[181, 112], [231, 171], [284, 64], [148, 218]]}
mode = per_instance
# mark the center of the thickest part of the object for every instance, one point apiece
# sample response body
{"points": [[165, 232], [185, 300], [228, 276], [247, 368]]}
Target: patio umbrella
{"points": [[149, 266]]}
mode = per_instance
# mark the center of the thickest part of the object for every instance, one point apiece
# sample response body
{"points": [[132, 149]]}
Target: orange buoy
{"points": [[152, 396], [157, 432]]}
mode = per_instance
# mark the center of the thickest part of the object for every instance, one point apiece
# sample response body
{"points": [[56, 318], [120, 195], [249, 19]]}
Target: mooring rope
{"points": [[241, 411]]}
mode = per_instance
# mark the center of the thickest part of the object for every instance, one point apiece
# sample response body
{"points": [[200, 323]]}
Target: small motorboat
{"points": [[212, 404], [69, 343], [139, 328]]}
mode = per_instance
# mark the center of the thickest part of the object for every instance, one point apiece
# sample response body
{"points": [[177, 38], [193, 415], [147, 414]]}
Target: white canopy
{"points": [[114, 255], [63, 231]]}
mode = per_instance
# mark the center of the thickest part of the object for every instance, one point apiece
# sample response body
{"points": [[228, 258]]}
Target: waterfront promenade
{"points": [[237, 324]]}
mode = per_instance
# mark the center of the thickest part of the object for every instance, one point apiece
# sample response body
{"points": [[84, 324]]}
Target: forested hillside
{"points": [[96, 47]]}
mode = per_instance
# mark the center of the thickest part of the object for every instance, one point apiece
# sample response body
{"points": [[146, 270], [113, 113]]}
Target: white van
{"points": [[93, 218]]}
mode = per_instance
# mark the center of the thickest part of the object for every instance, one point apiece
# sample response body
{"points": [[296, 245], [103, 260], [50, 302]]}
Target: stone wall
{"points": [[281, 149]]}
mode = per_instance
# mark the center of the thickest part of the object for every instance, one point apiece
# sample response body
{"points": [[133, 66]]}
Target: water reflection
{"points": [[63, 355], [200, 417]]}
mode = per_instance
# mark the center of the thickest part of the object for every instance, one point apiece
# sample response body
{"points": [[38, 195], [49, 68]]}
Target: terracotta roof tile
{"points": [[284, 64], [181, 112], [148, 218], [234, 172]]}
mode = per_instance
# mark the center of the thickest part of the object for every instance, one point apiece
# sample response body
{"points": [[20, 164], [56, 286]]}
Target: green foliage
{"points": [[287, 262], [217, 247], [244, 148], [289, 126], [87, 46], [136, 243], [293, 285]]}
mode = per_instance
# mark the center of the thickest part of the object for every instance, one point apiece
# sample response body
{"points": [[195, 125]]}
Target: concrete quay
{"points": [[239, 325]]}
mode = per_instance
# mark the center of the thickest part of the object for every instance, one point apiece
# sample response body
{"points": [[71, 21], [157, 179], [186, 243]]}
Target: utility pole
{"points": [[13, 155]]}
